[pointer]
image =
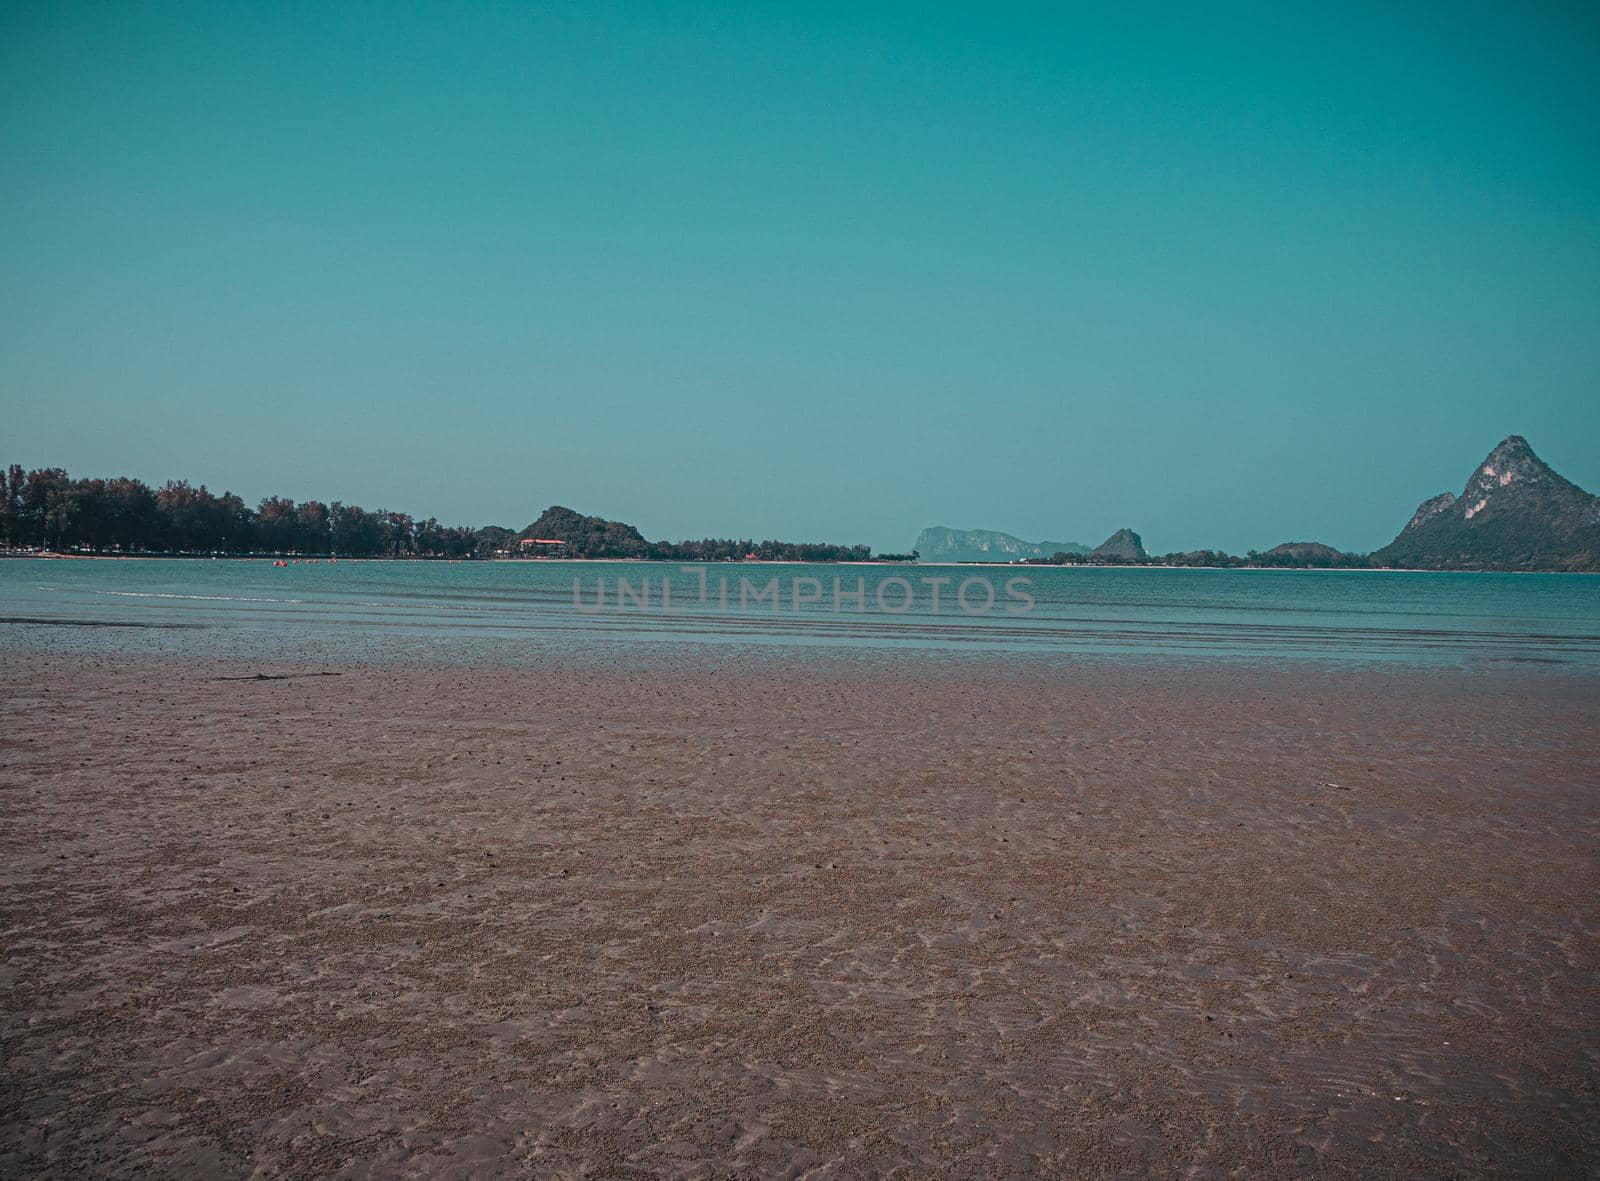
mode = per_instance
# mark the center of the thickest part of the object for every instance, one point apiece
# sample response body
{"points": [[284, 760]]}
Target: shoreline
{"points": [[61, 557]]}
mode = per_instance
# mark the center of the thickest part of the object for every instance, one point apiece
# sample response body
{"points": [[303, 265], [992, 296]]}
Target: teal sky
{"points": [[1230, 275]]}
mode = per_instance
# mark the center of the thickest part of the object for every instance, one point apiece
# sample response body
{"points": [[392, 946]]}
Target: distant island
{"points": [[1515, 513], [1125, 548], [940, 543]]}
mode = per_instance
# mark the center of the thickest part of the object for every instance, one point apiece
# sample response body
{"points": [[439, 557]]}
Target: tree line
{"points": [[721, 549], [47, 509], [1218, 559]]}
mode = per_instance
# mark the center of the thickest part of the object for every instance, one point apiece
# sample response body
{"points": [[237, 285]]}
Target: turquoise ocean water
{"points": [[514, 610]]}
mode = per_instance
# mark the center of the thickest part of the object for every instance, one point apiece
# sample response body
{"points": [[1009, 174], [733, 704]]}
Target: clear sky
{"points": [[1230, 275]]}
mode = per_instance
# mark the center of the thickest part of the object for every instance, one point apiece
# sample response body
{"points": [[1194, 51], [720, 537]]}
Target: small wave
{"points": [[195, 598]]}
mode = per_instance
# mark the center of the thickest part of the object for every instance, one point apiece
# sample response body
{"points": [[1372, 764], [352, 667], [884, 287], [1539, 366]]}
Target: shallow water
{"points": [[510, 610]]}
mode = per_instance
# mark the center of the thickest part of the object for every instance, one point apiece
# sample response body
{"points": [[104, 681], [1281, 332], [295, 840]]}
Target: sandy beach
{"points": [[823, 919]]}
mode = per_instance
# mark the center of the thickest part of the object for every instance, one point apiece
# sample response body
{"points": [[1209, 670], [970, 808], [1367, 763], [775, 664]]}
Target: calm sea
{"points": [[515, 610]]}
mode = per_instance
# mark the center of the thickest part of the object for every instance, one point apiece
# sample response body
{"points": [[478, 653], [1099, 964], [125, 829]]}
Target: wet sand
{"points": [[802, 920]]}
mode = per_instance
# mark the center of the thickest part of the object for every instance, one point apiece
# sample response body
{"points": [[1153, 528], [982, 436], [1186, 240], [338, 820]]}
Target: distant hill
{"points": [[1515, 513], [588, 537], [1122, 546], [942, 544], [1306, 555], [596, 537], [1304, 551]]}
